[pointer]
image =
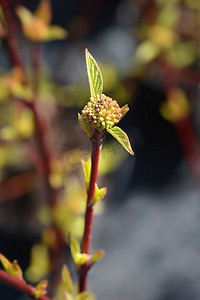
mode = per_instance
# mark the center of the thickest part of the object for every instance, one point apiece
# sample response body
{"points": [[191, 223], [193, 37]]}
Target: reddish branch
{"points": [[86, 242], [20, 285], [175, 74], [10, 40], [190, 146], [45, 157]]}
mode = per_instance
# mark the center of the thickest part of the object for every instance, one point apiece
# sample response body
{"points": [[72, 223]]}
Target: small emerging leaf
{"points": [[81, 258], [99, 194], [78, 257], [122, 138], [124, 110], [5, 262], [40, 289], [55, 33], [16, 270], [84, 125], [97, 256], [74, 246], [94, 75], [86, 166], [25, 16], [66, 279], [84, 296], [12, 269], [43, 12], [67, 296]]}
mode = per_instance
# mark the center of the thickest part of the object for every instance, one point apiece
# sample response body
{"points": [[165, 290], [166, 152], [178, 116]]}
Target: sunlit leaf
{"points": [[99, 194], [81, 258], [97, 256], [25, 16], [66, 279], [84, 296], [55, 33], [74, 246], [36, 28], [5, 262], [67, 296], [43, 11], [86, 166], [147, 51], [13, 268], [94, 75], [16, 270], [78, 257], [122, 138], [40, 289], [124, 110]]}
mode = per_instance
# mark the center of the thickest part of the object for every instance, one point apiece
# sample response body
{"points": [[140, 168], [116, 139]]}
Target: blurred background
{"points": [[149, 221]]}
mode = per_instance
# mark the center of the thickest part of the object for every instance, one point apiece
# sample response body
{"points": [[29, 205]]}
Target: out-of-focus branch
{"points": [[20, 285]]}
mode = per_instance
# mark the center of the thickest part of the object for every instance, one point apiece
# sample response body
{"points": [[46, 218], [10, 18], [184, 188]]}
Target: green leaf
{"points": [[55, 33], [122, 138], [84, 125], [43, 11], [86, 166], [66, 279], [25, 16], [84, 296], [94, 75], [99, 194], [5, 262], [12, 269], [124, 110], [78, 257], [81, 258], [16, 271], [74, 246], [97, 256], [40, 289], [67, 296]]}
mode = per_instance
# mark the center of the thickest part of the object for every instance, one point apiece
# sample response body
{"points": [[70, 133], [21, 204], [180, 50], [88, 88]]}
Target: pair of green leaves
{"points": [[36, 27], [69, 288], [82, 258], [96, 88], [99, 193], [12, 268]]}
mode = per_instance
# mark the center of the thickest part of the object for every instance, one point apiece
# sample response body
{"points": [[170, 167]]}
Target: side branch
{"points": [[19, 285]]}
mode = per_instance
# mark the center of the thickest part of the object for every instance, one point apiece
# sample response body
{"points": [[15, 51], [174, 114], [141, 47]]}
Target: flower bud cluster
{"points": [[102, 112]]}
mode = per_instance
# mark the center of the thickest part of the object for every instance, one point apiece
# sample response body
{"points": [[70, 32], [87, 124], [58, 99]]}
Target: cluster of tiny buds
{"points": [[102, 112]]}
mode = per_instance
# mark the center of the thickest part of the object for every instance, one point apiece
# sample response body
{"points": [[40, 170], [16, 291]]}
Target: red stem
{"points": [[190, 146], [36, 55], [10, 40], [20, 285], [86, 242], [43, 136]]}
